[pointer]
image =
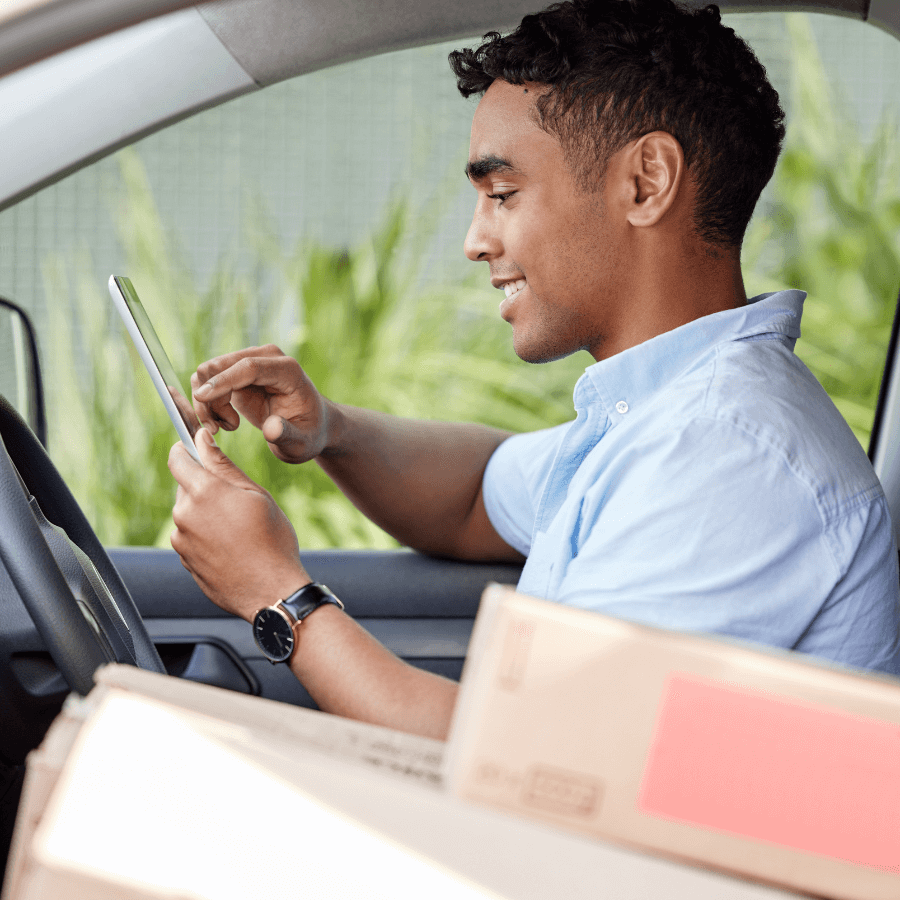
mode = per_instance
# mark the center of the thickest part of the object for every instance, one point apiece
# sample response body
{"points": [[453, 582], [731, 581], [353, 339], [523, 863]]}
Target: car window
{"points": [[327, 214]]}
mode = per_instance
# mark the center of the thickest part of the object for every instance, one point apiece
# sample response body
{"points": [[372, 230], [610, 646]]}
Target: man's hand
{"points": [[418, 480], [230, 534], [242, 551], [270, 391]]}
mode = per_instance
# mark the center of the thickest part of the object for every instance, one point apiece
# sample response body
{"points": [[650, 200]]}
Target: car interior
{"points": [[79, 81]]}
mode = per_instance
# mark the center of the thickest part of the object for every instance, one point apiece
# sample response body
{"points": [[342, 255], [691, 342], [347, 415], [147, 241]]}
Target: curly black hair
{"points": [[619, 69]]}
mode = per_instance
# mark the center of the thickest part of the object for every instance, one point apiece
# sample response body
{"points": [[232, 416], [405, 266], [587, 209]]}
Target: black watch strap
{"points": [[308, 599]]}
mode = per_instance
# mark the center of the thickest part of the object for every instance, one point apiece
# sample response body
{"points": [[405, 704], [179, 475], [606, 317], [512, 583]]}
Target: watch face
{"points": [[273, 634]]}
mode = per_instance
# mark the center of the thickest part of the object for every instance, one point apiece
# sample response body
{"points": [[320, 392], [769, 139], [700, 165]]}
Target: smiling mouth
{"points": [[512, 290], [513, 287]]}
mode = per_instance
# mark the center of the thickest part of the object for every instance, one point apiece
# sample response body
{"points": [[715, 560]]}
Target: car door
{"points": [[179, 200]]}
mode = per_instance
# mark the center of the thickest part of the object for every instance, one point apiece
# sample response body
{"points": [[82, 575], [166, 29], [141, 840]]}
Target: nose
{"points": [[482, 241]]}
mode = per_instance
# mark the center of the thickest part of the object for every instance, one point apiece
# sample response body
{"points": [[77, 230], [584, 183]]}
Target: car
{"points": [[81, 80]]}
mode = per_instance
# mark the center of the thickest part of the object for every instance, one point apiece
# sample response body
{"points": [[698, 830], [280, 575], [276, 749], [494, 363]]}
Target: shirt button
{"points": [[622, 407]]}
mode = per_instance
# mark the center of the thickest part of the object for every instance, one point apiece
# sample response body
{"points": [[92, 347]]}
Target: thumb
{"points": [[217, 463], [287, 441]]}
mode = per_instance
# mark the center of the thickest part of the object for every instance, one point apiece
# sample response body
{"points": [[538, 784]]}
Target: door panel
{"points": [[421, 608]]}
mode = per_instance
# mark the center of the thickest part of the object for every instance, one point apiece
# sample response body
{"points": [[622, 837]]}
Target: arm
{"points": [[243, 553], [418, 480]]}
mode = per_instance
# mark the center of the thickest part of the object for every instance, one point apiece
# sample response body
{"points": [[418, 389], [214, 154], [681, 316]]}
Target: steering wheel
{"points": [[67, 582]]}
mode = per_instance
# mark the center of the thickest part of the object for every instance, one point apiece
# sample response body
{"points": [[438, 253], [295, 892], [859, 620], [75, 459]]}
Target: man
{"points": [[707, 482]]}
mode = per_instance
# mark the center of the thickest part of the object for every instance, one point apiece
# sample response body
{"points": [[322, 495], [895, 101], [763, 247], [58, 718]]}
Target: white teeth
{"points": [[513, 287]]}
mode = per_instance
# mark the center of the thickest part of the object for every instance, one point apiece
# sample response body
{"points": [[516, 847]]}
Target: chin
{"points": [[540, 352], [545, 337]]}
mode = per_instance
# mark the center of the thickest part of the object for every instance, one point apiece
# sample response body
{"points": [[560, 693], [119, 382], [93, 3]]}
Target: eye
{"points": [[501, 197]]}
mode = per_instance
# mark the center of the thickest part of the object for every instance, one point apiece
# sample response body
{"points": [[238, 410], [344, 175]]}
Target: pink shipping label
{"points": [[771, 768]]}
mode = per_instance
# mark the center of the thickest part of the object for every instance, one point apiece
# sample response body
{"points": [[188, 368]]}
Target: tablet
{"points": [[155, 359]]}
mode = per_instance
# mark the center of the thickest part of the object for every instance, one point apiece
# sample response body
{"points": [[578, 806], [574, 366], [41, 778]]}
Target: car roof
{"points": [[276, 39], [262, 34]]}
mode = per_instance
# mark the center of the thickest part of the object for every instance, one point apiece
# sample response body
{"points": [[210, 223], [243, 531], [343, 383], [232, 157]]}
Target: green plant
{"points": [[832, 229], [365, 327]]}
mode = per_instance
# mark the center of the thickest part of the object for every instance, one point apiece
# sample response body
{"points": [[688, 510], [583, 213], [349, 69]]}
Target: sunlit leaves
{"points": [[832, 228]]}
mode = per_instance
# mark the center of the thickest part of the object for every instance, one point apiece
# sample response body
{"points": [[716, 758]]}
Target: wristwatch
{"points": [[273, 626]]}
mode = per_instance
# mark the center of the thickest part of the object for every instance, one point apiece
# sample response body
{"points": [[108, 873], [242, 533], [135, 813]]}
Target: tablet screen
{"points": [[155, 359]]}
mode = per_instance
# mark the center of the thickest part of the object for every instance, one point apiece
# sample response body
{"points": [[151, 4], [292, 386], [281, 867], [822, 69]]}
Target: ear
{"points": [[656, 169]]}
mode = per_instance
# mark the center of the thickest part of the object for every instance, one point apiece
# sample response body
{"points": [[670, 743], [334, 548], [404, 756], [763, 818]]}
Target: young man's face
{"points": [[550, 246]]}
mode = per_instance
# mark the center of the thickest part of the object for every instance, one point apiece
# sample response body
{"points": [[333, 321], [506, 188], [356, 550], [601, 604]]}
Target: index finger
{"points": [[212, 368], [216, 380], [277, 373]]}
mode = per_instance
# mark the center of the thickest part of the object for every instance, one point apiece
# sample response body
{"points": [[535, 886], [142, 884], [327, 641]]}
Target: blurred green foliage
{"points": [[832, 228], [370, 331], [365, 327]]}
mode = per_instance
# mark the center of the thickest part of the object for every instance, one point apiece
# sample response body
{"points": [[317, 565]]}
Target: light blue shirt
{"points": [[709, 484]]}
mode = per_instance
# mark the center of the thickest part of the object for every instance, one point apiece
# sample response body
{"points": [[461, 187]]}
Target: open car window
{"points": [[327, 213]]}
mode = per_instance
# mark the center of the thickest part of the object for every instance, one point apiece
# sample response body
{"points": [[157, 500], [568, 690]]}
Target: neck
{"points": [[673, 285]]}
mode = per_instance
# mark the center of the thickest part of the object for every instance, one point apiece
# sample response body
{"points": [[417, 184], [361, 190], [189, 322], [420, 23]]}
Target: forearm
{"points": [[243, 553], [348, 673], [418, 480]]}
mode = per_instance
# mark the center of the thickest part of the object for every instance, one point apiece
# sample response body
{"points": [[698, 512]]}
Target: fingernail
{"points": [[203, 389], [207, 436]]}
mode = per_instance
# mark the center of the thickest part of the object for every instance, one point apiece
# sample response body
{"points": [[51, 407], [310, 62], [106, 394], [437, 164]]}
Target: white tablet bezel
{"points": [[122, 291]]}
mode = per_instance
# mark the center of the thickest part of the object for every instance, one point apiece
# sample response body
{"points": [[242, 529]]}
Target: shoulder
{"points": [[749, 432], [761, 394], [528, 457]]}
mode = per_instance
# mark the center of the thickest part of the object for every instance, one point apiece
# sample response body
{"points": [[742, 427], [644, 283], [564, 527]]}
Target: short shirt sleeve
{"points": [[514, 481]]}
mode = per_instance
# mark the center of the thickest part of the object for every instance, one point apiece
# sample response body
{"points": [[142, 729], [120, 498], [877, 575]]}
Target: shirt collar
{"points": [[625, 381]]}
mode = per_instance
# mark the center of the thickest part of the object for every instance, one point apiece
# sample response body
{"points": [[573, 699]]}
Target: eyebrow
{"points": [[480, 168]]}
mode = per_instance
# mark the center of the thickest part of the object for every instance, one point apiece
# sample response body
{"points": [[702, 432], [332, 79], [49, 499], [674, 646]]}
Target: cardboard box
{"points": [[142, 790], [158, 788], [759, 763]]}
